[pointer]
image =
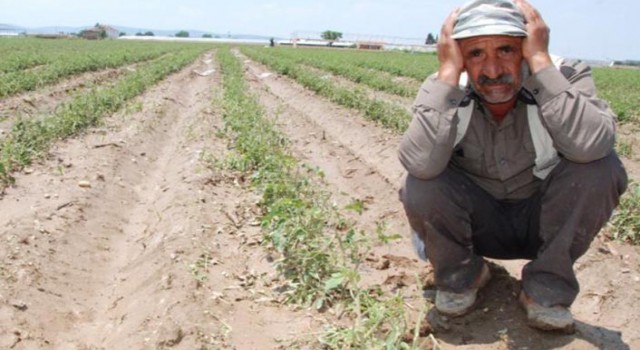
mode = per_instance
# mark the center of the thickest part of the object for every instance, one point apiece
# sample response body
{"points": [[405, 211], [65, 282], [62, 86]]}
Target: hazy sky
{"points": [[596, 29]]}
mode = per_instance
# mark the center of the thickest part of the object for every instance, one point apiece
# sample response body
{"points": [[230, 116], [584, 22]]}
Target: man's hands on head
{"points": [[449, 54], [535, 47]]}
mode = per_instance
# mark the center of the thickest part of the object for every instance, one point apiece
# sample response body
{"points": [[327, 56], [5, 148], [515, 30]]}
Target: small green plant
{"points": [[625, 223], [379, 324], [381, 233], [357, 206], [134, 107], [624, 148], [200, 268]]}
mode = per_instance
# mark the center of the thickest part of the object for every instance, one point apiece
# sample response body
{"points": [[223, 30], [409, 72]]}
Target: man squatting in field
{"points": [[517, 164]]}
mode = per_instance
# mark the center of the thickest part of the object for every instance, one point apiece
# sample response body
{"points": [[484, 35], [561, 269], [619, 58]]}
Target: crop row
{"points": [[23, 53], [388, 114], [320, 251], [337, 64], [30, 138], [621, 88], [415, 65], [20, 61], [73, 57]]}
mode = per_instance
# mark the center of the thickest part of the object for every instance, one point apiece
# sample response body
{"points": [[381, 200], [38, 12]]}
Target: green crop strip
{"points": [[52, 63], [337, 64], [30, 138], [294, 213], [389, 115], [621, 88], [319, 250], [415, 65]]}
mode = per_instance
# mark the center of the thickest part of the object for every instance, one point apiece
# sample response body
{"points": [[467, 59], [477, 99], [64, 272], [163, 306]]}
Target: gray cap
{"points": [[489, 17]]}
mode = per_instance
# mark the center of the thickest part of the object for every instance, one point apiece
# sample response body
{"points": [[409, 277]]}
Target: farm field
{"points": [[189, 196]]}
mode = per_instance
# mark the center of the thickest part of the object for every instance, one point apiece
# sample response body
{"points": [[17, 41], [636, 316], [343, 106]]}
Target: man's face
{"points": [[493, 64]]}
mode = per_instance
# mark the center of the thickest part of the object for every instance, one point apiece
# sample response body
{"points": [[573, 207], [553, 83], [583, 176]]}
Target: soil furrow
{"points": [[129, 240]]}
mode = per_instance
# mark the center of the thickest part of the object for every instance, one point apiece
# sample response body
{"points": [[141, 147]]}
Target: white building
{"points": [[9, 30]]}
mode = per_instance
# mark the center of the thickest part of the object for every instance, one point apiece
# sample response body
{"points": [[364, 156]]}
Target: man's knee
{"points": [[581, 198], [420, 197], [603, 175]]}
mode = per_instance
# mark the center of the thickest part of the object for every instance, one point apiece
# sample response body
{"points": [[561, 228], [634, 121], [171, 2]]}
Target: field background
{"points": [[173, 195]]}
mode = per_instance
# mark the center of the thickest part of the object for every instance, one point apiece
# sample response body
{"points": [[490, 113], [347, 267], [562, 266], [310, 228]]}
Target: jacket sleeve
{"points": [[582, 125], [426, 147]]}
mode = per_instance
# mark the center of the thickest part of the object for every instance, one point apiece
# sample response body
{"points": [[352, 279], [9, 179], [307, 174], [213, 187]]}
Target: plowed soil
{"points": [[127, 237]]}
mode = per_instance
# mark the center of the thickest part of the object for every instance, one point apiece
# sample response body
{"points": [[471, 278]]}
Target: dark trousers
{"points": [[460, 223]]}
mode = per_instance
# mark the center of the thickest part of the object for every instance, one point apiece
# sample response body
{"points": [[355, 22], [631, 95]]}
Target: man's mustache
{"points": [[502, 79]]}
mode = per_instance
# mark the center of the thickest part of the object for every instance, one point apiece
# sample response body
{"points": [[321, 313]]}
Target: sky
{"points": [[587, 29]]}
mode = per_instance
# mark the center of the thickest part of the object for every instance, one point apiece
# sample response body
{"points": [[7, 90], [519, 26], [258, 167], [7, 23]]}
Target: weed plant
{"points": [[625, 223]]}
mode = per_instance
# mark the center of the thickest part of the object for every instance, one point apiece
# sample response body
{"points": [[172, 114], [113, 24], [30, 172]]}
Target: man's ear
{"points": [[525, 72]]}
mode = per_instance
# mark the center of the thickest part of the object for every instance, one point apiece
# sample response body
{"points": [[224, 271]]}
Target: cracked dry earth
{"points": [[127, 237]]}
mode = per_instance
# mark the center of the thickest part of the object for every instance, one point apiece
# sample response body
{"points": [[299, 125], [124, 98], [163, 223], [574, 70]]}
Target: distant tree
{"points": [[93, 34], [122, 34], [102, 33], [148, 33], [331, 35], [182, 34], [430, 40], [207, 36]]}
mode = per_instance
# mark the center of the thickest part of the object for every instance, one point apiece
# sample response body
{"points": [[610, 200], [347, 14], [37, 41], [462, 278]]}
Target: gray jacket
{"points": [[500, 158]]}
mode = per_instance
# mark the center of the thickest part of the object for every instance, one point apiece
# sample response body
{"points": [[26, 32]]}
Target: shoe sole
{"points": [[485, 277], [556, 324], [547, 327]]}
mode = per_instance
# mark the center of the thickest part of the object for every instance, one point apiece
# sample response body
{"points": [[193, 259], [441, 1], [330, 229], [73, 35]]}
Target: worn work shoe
{"points": [[457, 304], [554, 318]]}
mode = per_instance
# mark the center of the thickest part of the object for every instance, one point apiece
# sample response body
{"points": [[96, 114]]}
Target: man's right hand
{"points": [[449, 54]]}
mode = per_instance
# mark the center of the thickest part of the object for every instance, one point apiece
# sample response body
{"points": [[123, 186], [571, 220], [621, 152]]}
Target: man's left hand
{"points": [[535, 47]]}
